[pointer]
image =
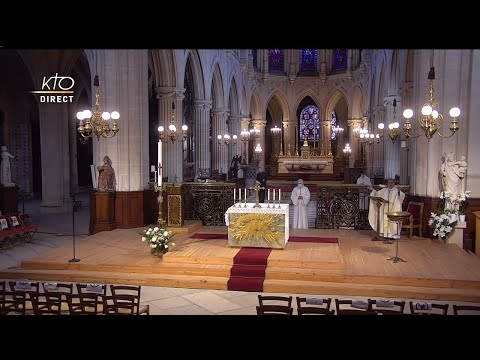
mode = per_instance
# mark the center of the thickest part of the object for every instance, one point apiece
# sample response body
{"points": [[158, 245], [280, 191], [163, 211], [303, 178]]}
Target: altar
{"points": [[263, 227]]}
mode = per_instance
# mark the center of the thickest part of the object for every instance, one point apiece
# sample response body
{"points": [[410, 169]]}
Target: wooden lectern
{"points": [[378, 201]]}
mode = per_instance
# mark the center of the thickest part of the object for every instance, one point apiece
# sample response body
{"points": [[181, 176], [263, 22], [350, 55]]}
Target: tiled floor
{"points": [[56, 230]]}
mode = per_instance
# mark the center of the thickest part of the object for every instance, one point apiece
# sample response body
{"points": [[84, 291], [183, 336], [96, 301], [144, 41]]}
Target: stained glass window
{"points": [[254, 55], [308, 60], [275, 60], [309, 123], [334, 123], [340, 59]]}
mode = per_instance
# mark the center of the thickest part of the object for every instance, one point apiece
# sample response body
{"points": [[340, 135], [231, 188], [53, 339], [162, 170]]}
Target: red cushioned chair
{"points": [[415, 221]]}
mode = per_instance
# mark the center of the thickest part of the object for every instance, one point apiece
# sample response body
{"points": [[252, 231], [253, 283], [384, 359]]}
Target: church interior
{"points": [[174, 173]]}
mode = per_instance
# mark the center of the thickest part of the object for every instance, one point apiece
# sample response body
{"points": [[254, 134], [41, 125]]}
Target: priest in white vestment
{"points": [[300, 198], [395, 198]]}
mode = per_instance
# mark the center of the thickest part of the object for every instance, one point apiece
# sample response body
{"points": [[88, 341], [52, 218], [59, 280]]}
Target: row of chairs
{"points": [[25, 297], [282, 305], [16, 228]]}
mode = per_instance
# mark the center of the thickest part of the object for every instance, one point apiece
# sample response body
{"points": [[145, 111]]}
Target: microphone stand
{"points": [[74, 259]]}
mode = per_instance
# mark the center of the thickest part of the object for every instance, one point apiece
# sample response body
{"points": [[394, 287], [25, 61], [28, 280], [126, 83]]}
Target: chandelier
{"points": [[431, 119], [94, 122], [364, 136], [347, 150], [172, 133], [393, 132], [225, 139]]}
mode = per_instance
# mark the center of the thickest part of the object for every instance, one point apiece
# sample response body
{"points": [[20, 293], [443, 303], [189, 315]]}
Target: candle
{"points": [[279, 196], [152, 168], [234, 193], [268, 194], [160, 175], [239, 195], [155, 177], [245, 195], [273, 195]]}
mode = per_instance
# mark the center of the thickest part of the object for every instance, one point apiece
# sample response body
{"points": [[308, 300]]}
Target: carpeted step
{"points": [[256, 271], [245, 284]]}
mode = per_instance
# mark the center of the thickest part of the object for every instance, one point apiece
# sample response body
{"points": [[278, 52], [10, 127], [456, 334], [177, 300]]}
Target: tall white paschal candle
{"points": [[160, 174]]}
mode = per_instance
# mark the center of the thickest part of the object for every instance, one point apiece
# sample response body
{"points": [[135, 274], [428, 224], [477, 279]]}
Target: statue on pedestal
{"points": [[106, 177], [5, 173], [453, 175]]}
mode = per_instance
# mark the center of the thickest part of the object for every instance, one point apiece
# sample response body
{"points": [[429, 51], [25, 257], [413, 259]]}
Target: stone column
{"points": [[378, 155], [234, 128], [219, 151], [260, 125], [356, 156], [55, 158], [392, 150], [201, 118], [289, 137], [124, 87], [405, 92], [245, 123], [172, 150], [326, 145]]}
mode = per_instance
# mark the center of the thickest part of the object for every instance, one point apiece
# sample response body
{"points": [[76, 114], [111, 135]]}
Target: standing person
{"points": [[262, 178], [362, 198], [300, 198], [5, 173], [363, 179], [395, 198]]}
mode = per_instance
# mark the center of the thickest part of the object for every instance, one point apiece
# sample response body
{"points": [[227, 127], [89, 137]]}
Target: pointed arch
{"points": [[332, 103], [255, 108], [164, 68], [193, 60], [303, 95], [281, 99], [218, 100], [357, 104], [233, 101]]}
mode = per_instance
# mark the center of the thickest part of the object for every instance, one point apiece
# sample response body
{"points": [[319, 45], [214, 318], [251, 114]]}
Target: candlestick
{"points": [[274, 197], [279, 196], [268, 194], [234, 192], [155, 176], [245, 197], [160, 173]]}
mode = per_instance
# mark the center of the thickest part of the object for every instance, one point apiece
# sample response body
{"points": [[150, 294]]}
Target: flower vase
{"points": [[462, 217], [157, 253]]}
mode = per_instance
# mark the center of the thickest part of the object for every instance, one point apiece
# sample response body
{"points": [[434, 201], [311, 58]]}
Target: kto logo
{"points": [[53, 87]]}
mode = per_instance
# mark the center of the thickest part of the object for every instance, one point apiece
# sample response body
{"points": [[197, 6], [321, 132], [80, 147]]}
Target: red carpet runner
{"points": [[248, 270], [249, 265]]}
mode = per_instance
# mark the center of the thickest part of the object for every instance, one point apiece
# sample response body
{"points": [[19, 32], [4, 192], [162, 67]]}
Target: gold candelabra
{"points": [[431, 119], [160, 189], [95, 123]]}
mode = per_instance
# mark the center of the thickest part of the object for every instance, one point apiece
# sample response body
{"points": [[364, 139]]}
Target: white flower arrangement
{"points": [[444, 223], [159, 239]]}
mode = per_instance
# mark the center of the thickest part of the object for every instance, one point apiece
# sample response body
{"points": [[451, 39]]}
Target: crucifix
{"points": [[257, 188]]}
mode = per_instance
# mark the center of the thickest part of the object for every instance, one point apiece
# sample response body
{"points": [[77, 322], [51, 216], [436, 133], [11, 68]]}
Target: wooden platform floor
{"points": [[355, 266]]}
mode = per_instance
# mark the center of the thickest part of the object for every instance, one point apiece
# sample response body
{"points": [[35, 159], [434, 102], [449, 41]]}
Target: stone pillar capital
{"points": [[202, 104], [259, 122], [287, 123], [169, 92], [355, 122]]}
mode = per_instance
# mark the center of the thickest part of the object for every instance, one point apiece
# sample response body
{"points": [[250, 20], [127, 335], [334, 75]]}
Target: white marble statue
{"points": [[453, 179], [6, 174]]}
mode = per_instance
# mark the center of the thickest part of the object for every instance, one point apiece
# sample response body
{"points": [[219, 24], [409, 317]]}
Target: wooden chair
{"points": [[348, 307], [31, 289], [319, 306], [123, 293], [386, 307], [424, 308], [415, 221], [56, 298], [466, 310], [274, 305], [84, 304]]}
